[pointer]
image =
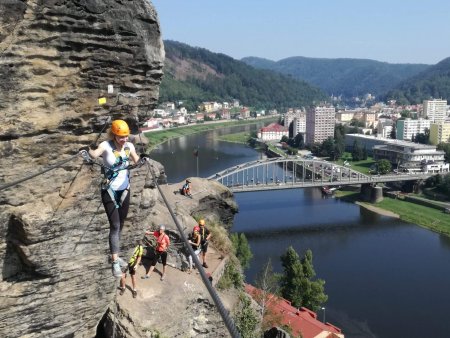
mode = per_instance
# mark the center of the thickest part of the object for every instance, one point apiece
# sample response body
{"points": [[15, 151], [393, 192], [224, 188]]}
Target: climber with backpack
{"points": [[117, 153]]}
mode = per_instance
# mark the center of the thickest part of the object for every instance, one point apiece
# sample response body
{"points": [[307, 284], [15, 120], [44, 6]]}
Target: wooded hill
{"points": [[194, 75], [346, 77], [434, 82]]}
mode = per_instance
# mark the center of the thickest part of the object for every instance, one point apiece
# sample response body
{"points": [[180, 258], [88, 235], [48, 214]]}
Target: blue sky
{"points": [[396, 31]]}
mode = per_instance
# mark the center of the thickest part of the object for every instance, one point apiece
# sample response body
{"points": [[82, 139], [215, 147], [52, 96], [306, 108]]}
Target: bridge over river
{"points": [[289, 173]]}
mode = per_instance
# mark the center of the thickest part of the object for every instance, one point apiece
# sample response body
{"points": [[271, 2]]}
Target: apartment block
{"points": [[299, 124], [435, 110], [440, 132], [407, 129], [320, 122]]}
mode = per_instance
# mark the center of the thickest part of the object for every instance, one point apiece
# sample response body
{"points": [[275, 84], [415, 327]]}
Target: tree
{"points": [[357, 151], [446, 148], [268, 284], [246, 319], [327, 148], [285, 139], [393, 134], [313, 291], [384, 166], [299, 141], [241, 249], [297, 282], [422, 138]]}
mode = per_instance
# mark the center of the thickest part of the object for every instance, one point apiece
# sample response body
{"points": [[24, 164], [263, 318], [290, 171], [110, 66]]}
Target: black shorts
{"points": [[131, 269], [163, 256], [204, 246]]}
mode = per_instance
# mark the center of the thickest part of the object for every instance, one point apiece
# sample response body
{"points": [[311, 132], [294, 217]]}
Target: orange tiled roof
{"points": [[301, 320]]}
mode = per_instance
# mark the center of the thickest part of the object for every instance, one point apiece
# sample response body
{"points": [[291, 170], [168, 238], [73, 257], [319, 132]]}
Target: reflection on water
{"points": [[377, 269]]}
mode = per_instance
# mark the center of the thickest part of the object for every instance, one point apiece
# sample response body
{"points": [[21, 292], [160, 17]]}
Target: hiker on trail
{"points": [[115, 189], [205, 235], [194, 241], [133, 263], [186, 189], [162, 244]]}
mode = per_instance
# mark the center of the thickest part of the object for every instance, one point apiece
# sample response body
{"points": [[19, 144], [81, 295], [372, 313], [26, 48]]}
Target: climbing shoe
{"points": [[134, 293], [205, 265], [122, 291], [116, 270]]}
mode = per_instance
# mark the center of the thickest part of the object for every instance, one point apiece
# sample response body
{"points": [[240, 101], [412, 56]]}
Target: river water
{"points": [[384, 277]]}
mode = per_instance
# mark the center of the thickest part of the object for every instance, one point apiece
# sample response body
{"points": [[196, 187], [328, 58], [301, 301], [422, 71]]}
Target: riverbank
{"points": [[157, 137], [426, 217]]}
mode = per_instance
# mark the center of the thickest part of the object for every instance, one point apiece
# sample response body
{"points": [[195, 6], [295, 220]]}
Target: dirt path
{"points": [[179, 306]]}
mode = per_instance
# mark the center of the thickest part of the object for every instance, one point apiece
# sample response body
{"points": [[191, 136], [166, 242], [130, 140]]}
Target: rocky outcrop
{"points": [[57, 57]]}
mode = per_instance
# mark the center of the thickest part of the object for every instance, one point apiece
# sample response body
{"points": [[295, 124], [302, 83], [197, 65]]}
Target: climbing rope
{"points": [[56, 165], [223, 312]]}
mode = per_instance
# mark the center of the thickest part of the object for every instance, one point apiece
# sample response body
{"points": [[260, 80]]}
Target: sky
{"points": [[395, 31]]}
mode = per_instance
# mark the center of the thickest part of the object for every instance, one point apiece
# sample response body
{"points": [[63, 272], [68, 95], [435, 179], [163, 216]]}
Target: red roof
{"points": [[274, 127], [301, 320]]}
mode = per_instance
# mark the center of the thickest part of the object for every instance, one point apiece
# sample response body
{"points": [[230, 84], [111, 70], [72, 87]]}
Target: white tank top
{"points": [[117, 161]]}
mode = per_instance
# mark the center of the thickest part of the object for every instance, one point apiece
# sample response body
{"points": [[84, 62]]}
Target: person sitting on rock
{"points": [[133, 263], [162, 244], [186, 189]]}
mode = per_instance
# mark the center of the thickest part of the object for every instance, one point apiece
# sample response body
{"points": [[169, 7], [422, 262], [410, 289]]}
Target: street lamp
{"points": [[322, 308]]}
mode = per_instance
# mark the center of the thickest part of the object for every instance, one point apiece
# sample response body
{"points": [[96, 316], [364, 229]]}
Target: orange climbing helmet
{"points": [[120, 128], [201, 222]]}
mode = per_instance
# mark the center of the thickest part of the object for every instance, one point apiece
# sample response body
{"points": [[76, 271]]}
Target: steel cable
{"points": [[223, 312]]}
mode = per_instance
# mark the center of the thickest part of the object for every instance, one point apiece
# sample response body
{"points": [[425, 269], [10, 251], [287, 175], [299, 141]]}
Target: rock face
{"points": [[57, 57]]}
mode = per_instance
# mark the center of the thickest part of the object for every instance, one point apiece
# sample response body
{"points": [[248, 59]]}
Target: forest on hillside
{"points": [[194, 75]]}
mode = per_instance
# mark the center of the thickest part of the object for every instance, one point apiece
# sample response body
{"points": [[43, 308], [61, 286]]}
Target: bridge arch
{"points": [[295, 172]]}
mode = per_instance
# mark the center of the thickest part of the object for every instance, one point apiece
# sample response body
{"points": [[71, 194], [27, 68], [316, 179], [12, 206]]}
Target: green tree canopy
{"points": [[297, 282], [242, 249], [384, 166]]}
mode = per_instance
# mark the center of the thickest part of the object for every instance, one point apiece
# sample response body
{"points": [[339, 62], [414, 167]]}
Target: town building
{"points": [[401, 154], [299, 124], [273, 132], [369, 119], [344, 116], [244, 113], [435, 110], [209, 106], [384, 127], [407, 129], [320, 122], [303, 322], [440, 132]]}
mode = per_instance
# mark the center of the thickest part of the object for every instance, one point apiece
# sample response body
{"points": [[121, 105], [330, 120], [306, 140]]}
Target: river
{"points": [[384, 277]]}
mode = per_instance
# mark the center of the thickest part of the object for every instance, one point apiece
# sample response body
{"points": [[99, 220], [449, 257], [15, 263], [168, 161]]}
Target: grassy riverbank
{"points": [[158, 137], [426, 217], [243, 137]]}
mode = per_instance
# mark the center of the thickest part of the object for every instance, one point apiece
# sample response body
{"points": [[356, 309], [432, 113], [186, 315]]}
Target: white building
{"points": [[299, 124], [435, 110], [407, 129], [273, 132], [384, 128]]}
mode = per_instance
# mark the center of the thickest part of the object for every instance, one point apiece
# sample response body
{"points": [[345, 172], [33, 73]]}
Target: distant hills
{"points": [[193, 75], [346, 77], [433, 82]]}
